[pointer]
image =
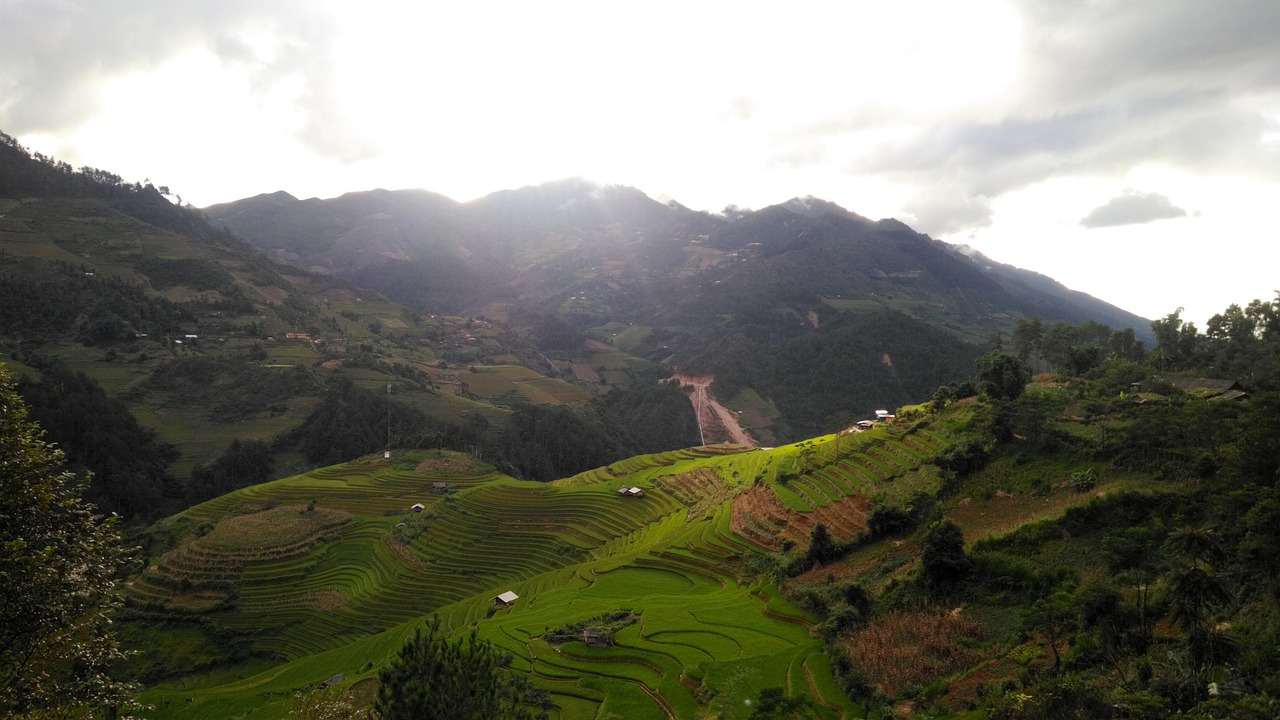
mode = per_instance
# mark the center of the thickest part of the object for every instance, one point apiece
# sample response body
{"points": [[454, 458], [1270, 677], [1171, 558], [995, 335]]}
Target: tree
{"points": [[942, 556], [1132, 555], [1195, 591], [1055, 618], [1027, 335], [822, 547], [58, 592], [243, 463], [1002, 376], [465, 680], [775, 704]]}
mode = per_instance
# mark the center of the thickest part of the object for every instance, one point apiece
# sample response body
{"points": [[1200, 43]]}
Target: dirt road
{"points": [[716, 422]]}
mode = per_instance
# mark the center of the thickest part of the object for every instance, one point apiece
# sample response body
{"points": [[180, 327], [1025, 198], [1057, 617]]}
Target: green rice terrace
{"points": [[273, 589]]}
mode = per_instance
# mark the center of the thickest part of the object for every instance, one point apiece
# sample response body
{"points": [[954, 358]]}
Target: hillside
{"points": [[744, 299], [113, 289], [976, 558], [329, 570]]}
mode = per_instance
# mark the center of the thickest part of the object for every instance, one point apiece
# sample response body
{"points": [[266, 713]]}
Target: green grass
{"points": [[332, 590]]}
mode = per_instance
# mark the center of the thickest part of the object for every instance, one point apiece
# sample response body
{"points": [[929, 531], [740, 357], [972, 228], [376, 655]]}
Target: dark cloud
{"points": [[55, 55], [1132, 208]]}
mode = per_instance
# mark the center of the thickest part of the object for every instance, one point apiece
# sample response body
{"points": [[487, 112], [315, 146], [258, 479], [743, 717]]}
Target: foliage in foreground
{"points": [[435, 678], [58, 563]]}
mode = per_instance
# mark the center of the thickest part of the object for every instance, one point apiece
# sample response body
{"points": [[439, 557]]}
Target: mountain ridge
{"points": [[576, 211]]}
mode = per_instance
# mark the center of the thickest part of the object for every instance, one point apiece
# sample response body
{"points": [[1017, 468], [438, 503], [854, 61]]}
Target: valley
{"points": [[602, 433]]}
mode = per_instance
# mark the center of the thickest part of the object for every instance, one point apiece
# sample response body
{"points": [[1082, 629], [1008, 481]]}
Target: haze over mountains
{"points": [[534, 239], [565, 295], [777, 301]]}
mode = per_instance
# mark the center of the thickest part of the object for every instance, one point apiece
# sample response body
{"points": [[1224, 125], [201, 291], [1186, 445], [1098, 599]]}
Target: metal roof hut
{"points": [[418, 507], [506, 598], [1211, 388]]}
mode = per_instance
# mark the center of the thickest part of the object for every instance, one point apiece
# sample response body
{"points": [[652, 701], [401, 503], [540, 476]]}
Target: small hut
{"points": [[418, 507], [595, 638], [506, 598]]}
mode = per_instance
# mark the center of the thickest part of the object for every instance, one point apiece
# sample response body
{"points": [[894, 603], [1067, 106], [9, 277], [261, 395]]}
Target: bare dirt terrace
{"points": [[717, 422]]}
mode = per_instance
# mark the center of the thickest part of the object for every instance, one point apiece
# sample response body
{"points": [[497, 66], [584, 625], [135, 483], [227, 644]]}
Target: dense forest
{"points": [[126, 464]]}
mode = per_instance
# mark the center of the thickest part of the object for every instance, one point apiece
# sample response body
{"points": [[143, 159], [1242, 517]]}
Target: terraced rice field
{"points": [[331, 570]]}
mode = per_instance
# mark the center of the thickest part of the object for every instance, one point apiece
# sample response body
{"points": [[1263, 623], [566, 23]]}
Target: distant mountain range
{"points": [[531, 243], [569, 294], [768, 301]]}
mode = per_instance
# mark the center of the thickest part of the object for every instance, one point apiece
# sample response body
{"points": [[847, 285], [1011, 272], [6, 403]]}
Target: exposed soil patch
{"points": [[759, 514], [448, 462], [905, 648], [273, 531], [717, 422], [1006, 512], [585, 373]]}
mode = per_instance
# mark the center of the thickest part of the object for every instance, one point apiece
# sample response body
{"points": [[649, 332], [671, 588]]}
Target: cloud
{"points": [[1102, 89], [943, 213], [1132, 208], [55, 56]]}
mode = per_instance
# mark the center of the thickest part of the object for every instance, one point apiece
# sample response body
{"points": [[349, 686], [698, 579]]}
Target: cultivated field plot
{"points": [[331, 570], [499, 382]]}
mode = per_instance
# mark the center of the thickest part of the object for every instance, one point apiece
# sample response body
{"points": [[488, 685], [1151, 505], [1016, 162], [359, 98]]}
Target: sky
{"points": [[1127, 148]]}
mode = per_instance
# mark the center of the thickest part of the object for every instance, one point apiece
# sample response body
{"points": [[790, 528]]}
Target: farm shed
{"points": [[418, 507], [634, 492], [506, 598], [439, 486]]}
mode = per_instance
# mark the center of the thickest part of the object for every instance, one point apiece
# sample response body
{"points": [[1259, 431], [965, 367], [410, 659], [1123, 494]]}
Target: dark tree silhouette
{"points": [[465, 680], [942, 556]]}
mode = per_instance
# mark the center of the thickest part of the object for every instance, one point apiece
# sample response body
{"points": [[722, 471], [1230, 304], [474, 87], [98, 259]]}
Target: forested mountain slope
{"points": [[177, 362], [741, 297]]}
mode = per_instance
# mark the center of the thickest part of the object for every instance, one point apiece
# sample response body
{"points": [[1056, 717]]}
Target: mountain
{"points": [[1050, 298], [759, 301], [216, 366]]}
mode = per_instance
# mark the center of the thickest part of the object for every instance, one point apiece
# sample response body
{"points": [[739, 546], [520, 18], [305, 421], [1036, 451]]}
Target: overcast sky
{"points": [[1128, 148]]}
